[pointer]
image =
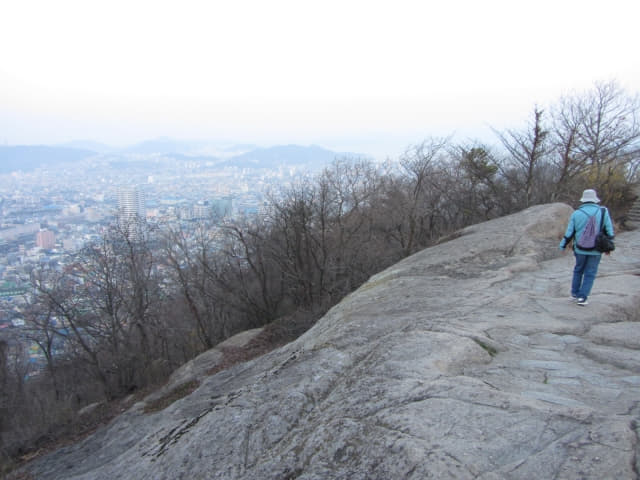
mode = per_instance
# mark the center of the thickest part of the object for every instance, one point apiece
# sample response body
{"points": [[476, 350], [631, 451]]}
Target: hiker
{"points": [[587, 261]]}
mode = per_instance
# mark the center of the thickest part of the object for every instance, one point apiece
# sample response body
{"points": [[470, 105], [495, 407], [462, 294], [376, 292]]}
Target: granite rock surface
{"points": [[464, 361]]}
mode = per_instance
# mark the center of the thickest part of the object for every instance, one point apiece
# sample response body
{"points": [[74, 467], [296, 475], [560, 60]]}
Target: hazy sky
{"points": [[365, 75]]}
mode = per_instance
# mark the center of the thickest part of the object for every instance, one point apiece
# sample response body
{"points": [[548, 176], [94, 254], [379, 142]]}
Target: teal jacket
{"points": [[578, 222]]}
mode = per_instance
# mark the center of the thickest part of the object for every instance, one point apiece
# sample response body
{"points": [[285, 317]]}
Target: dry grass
{"points": [[74, 432], [274, 335], [176, 394]]}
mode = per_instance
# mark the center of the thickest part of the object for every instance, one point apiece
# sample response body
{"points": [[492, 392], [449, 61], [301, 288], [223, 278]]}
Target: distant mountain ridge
{"points": [[26, 158], [284, 155], [163, 145]]}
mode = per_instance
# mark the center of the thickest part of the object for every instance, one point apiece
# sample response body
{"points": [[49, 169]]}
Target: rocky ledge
{"points": [[464, 361]]}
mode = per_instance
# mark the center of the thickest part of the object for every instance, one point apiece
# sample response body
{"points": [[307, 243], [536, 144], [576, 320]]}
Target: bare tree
{"points": [[298, 242], [41, 329], [472, 187], [347, 212], [596, 139], [4, 366], [528, 150], [192, 266], [5, 389], [413, 198], [610, 129], [107, 304], [246, 274]]}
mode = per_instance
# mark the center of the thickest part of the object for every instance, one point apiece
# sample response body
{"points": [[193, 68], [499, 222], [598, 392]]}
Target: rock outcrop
{"points": [[464, 361]]}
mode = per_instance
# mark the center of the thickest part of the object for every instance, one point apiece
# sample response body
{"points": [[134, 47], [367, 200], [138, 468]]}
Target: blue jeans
{"points": [[584, 273]]}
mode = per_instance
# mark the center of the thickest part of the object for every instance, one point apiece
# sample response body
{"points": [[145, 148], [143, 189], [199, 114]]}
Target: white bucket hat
{"points": [[589, 196]]}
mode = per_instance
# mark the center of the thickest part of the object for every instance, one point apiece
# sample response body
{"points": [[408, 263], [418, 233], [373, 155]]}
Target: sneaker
{"points": [[573, 298], [582, 302]]}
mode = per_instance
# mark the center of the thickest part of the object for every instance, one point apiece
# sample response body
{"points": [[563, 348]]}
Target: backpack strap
{"points": [[585, 213], [602, 211]]}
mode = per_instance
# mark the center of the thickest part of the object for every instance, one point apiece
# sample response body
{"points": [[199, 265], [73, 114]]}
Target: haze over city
{"points": [[369, 77], [228, 228]]}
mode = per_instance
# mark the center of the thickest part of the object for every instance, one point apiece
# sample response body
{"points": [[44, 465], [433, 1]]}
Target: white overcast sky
{"points": [[356, 74]]}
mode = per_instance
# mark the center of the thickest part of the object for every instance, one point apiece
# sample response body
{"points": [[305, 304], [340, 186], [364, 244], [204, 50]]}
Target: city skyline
{"points": [[358, 76]]}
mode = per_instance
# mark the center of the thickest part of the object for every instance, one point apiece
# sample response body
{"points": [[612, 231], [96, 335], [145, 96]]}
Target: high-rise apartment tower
{"points": [[131, 206]]}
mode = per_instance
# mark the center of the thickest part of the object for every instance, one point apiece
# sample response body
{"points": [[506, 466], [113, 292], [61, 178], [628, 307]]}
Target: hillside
{"points": [[27, 158], [313, 157], [463, 361]]}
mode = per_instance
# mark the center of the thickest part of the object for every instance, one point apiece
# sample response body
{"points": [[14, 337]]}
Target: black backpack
{"points": [[604, 243]]}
